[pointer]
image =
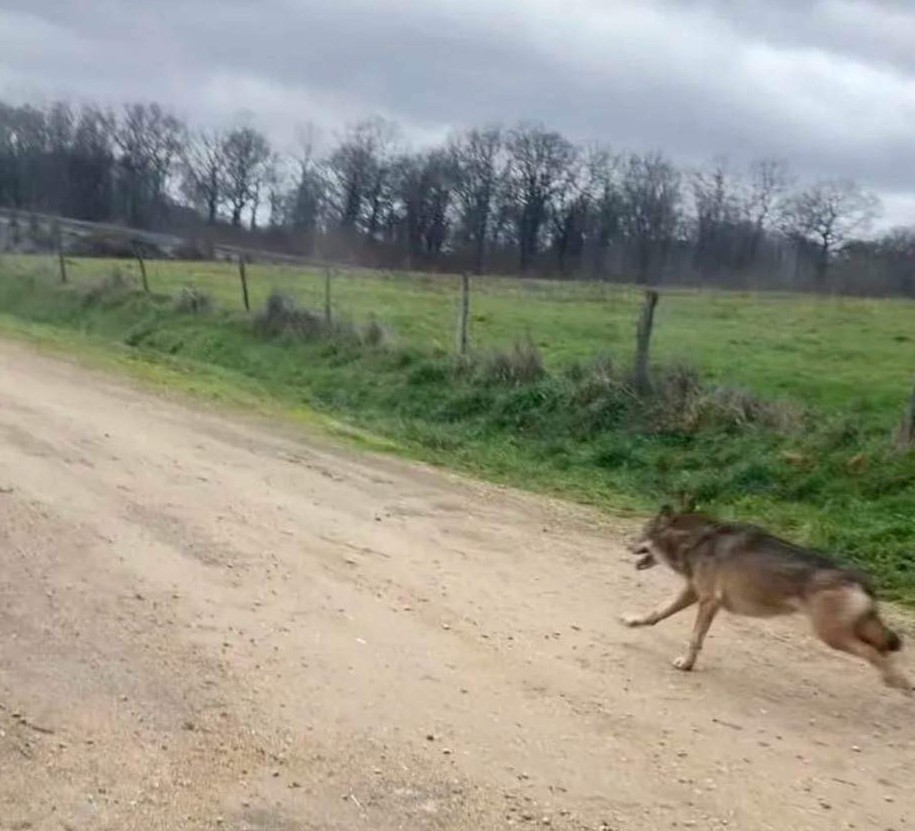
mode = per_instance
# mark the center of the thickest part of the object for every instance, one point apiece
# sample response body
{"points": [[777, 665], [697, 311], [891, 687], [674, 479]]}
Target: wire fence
{"points": [[783, 345], [439, 312]]}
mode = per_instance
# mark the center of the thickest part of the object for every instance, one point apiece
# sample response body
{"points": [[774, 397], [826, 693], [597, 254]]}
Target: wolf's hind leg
{"points": [[835, 616]]}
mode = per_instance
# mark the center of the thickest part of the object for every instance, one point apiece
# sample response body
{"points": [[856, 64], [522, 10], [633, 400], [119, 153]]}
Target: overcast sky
{"points": [[829, 85]]}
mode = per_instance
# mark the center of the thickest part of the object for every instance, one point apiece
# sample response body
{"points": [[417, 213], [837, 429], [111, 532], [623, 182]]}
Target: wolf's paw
{"points": [[632, 620], [684, 663]]}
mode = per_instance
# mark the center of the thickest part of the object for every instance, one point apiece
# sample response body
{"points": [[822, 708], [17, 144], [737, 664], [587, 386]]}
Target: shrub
{"points": [[680, 402], [191, 300], [282, 317], [523, 364], [373, 333], [111, 288]]}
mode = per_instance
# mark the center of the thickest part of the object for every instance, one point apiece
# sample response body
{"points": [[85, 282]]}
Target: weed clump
{"points": [[374, 334], [283, 317], [522, 364], [109, 289], [677, 402], [680, 401], [191, 300]]}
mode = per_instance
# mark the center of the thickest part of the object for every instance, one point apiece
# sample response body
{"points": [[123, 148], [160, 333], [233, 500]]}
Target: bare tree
{"points": [[23, 132], [255, 193], [359, 170], [148, 140], [305, 202], [479, 169], [246, 153], [828, 214], [769, 179], [59, 130], [379, 197], [308, 137], [91, 164], [651, 210], [275, 183], [540, 165], [605, 199], [767, 184], [422, 186], [896, 250], [203, 171], [569, 214], [716, 216]]}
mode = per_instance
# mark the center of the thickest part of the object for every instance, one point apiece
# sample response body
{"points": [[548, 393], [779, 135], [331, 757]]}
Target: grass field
{"points": [[844, 354], [828, 477]]}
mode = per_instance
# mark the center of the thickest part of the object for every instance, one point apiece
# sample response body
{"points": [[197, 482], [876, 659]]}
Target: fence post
{"points": [[328, 314], [138, 253], [244, 282], [58, 234], [463, 339], [643, 341], [905, 435]]}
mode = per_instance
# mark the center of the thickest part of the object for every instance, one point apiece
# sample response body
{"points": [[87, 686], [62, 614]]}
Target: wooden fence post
{"points": [[643, 342], [58, 234], [138, 253], [463, 338], [244, 282], [905, 435], [328, 314]]}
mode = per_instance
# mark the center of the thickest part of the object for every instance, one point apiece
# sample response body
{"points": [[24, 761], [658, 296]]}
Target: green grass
{"points": [[831, 480], [842, 354]]}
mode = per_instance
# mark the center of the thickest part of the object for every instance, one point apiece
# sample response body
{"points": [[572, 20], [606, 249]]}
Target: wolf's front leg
{"points": [[682, 601], [708, 608]]}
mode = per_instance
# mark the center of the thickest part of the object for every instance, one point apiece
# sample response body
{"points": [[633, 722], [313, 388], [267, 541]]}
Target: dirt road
{"points": [[205, 623]]}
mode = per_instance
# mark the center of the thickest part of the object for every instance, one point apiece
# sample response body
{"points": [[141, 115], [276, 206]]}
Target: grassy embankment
{"points": [[772, 408]]}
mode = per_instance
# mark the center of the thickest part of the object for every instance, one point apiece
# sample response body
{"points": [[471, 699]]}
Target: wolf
{"points": [[745, 570]]}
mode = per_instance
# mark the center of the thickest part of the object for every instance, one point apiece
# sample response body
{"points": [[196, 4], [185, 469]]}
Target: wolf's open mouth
{"points": [[647, 560]]}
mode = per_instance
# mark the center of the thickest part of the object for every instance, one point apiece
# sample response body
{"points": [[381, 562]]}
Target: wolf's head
{"points": [[645, 546], [661, 535]]}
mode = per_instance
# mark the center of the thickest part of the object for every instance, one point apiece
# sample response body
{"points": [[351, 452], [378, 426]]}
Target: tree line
{"points": [[522, 199]]}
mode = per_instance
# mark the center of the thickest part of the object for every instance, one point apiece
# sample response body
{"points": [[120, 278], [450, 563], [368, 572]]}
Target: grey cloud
{"points": [[877, 32], [829, 85]]}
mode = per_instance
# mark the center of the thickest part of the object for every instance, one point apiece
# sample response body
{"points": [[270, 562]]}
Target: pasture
{"points": [[840, 367], [843, 354]]}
